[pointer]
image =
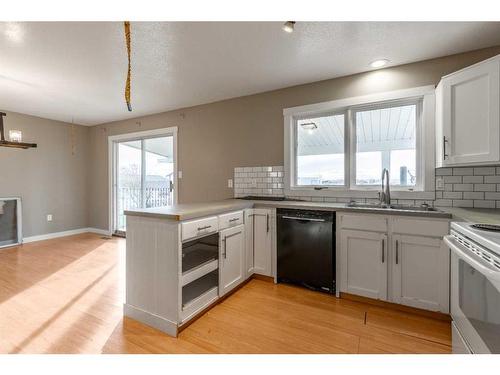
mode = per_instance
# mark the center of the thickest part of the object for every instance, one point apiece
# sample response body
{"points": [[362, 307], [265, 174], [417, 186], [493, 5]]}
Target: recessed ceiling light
{"points": [[379, 63], [288, 26]]}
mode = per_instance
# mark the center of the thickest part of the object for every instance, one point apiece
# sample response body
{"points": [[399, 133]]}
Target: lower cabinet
{"points": [[409, 268], [231, 258], [262, 241], [249, 250], [420, 272], [364, 263]]}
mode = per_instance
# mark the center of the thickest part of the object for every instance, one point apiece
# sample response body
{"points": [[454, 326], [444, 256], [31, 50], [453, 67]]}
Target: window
{"points": [[386, 139], [320, 151], [340, 148]]}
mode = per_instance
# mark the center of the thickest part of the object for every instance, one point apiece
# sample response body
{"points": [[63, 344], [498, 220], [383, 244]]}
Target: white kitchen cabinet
{"points": [[405, 264], [467, 115], [262, 241], [231, 258], [249, 249], [420, 272], [364, 263]]}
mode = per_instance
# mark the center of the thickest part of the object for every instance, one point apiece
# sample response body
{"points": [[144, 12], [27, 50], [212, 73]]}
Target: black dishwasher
{"points": [[306, 248]]}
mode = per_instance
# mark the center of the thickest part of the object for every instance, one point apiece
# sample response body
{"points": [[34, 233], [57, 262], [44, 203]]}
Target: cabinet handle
{"points": [[445, 155], [383, 250], [397, 251], [224, 247], [205, 227], [233, 220], [267, 223], [224, 242]]}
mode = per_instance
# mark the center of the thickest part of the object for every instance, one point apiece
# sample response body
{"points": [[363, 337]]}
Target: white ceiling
{"points": [[66, 71]]}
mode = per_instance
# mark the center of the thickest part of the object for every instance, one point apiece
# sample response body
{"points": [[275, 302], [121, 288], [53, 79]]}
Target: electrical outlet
{"points": [[179, 174], [230, 183], [49, 217], [439, 183]]}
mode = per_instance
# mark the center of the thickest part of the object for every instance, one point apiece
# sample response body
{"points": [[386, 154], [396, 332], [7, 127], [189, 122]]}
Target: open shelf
{"points": [[199, 271], [192, 292], [199, 252]]}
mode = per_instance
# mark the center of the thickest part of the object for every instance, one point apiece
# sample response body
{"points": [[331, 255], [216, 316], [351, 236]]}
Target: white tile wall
{"points": [[463, 187], [468, 187], [261, 181]]}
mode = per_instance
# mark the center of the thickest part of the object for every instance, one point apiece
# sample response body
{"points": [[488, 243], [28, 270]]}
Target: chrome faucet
{"points": [[385, 193]]}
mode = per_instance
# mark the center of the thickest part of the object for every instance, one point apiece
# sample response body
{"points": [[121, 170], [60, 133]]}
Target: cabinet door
{"points": [[249, 248], [420, 276], [364, 263], [471, 122], [262, 241], [231, 258]]}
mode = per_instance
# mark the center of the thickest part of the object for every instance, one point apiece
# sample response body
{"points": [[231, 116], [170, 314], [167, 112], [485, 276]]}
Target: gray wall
{"points": [[248, 131], [213, 140], [50, 178]]}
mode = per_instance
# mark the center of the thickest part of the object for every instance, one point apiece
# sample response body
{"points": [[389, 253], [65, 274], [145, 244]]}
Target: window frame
{"points": [[418, 101], [296, 119], [425, 162]]}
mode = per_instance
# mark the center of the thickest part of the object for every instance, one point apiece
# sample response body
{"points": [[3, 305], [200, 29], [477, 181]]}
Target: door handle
{"points": [[383, 250], [302, 218], [267, 223], [397, 251]]}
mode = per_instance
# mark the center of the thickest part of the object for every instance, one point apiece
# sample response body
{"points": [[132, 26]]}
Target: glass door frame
{"points": [[113, 142]]}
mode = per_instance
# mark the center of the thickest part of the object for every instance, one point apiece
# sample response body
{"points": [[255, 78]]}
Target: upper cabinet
{"points": [[467, 116]]}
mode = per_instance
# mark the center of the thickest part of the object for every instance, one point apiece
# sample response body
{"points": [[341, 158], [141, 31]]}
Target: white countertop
{"points": [[180, 212], [474, 215]]}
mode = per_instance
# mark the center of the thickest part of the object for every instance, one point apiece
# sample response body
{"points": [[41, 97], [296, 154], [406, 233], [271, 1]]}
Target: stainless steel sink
{"points": [[399, 207]]}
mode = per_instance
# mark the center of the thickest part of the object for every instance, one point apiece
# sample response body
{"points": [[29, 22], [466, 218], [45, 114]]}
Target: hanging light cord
{"points": [[127, 85]]}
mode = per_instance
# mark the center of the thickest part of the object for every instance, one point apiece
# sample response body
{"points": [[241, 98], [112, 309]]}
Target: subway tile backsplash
{"points": [[260, 181], [477, 187]]}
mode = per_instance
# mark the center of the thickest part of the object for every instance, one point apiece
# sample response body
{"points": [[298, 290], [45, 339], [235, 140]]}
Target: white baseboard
{"points": [[65, 233], [150, 319], [103, 232]]}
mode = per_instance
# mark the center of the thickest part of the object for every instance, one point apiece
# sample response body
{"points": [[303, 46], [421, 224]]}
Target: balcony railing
{"points": [[131, 198]]}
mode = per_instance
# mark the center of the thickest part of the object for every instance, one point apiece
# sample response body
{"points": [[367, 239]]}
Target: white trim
{"points": [[333, 105], [19, 209], [112, 139], [425, 144], [102, 232], [150, 319], [49, 236]]}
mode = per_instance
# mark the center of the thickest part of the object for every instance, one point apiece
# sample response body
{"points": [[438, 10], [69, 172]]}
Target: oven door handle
{"points": [[457, 249]]}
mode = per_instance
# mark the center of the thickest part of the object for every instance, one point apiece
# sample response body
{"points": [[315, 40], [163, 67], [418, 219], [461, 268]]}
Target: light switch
{"points": [[179, 174], [49, 217]]}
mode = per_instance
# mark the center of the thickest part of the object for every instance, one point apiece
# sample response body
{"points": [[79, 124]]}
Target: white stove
{"points": [[486, 235], [475, 287]]}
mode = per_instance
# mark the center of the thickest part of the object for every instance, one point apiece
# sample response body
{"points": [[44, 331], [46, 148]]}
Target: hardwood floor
{"points": [[65, 296]]}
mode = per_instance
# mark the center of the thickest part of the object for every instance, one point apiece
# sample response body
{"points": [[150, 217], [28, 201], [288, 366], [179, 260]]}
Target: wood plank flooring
{"points": [[65, 296]]}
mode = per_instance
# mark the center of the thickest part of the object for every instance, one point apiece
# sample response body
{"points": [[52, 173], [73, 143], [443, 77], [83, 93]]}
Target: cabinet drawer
{"points": [[231, 219], [420, 227], [371, 222], [199, 227]]}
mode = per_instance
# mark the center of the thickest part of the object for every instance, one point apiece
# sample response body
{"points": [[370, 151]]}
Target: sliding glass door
{"points": [[143, 175]]}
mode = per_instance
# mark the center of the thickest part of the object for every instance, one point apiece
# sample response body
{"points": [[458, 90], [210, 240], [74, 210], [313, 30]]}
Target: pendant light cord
{"points": [[127, 85]]}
